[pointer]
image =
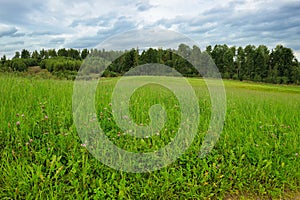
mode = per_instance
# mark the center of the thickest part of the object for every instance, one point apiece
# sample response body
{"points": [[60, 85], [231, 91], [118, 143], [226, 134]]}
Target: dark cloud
{"points": [[226, 24], [57, 41], [84, 42], [146, 38], [119, 25], [102, 21], [7, 30], [18, 35], [143, 6], [42, 33], [15, 43], [16, 11]]}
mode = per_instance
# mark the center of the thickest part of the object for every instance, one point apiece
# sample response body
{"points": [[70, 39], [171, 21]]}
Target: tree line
{"points": [[278, 65]]}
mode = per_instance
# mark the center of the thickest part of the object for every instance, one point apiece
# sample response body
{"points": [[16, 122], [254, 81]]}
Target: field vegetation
{"points": [[42, 157]]}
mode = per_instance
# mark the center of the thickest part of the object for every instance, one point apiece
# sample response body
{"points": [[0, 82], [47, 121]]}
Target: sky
{"points": [[36, 24]]}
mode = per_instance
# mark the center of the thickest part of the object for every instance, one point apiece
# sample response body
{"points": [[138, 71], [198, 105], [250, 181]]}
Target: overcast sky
{"points": [[36, 24]]}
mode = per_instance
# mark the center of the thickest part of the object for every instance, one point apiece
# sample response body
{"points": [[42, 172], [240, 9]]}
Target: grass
{"points": [[42, 157]]}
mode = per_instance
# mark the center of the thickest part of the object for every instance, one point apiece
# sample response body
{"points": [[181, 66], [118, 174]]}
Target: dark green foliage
{"points": [[19, 65], [84, 53], [17, 55], [253, 63], [25, 54], [257, 63]]}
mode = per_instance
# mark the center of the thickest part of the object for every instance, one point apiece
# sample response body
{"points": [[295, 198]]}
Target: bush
{"points": [[19, 65]]}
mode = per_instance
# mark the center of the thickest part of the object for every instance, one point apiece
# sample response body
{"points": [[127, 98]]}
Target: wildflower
{"points": [[31, 140], [27, 143], [17, 114], [110, 104], [22, 115], [147, 136], [46, 117], [83, 145], [18, 123], [105, 108], [125, 117], [49, 149], [157, 133], [108, 119], [119, 134], [296, 154]]}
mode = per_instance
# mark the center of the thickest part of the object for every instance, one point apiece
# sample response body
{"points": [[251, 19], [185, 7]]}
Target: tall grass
{"points": [[42, 156]]}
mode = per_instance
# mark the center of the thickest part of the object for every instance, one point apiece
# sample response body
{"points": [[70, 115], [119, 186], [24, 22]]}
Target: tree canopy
{"points": [[278, 65]]}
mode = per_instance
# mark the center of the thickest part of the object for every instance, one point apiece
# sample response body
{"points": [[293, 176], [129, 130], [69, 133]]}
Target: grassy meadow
{"points": [[42, 157]]}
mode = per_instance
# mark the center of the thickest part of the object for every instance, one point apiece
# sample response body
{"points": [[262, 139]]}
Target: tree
{"points": [[149, 56], [44, 54], [184, 51], [52, 53], [17, 55], [249, 68], [240, 60], [195, 56], [62, 52], [281, 60], [295, 72], [261, 62], [73, 53], [19, 65], [35, 55], [25, 54], [218, 56], [84, 53], [130, 60], [228, 61], [3, 59], [208, 49]]}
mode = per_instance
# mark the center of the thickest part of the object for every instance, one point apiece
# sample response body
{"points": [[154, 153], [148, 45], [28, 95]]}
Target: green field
{"points": [[42, 157]]}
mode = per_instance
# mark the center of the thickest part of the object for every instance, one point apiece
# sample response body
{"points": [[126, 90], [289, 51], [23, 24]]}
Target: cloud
{"points": [[42, 33], [84, 42], [146, 38], [113, 27], [6, 30], [12, 43], [18, 35], [57, 41], [102, 21], [143, 6], [16, 11], [79, 24], [272, 24]]}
